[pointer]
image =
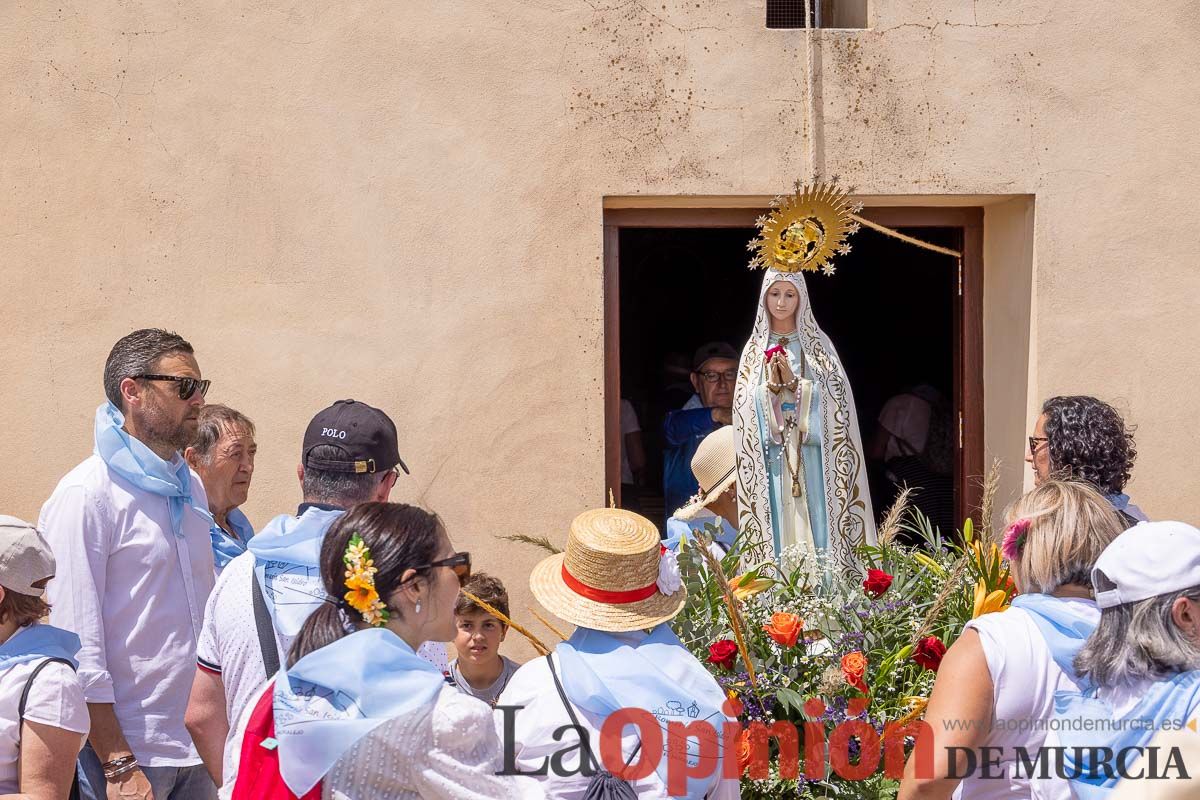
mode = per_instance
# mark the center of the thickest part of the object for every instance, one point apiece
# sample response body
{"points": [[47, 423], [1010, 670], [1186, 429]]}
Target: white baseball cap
{"points": [[1148, 560], [25, 558]]}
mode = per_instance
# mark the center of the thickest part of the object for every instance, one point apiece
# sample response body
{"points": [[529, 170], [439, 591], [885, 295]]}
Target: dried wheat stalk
{"points": [[546, 622], [890, 527]]}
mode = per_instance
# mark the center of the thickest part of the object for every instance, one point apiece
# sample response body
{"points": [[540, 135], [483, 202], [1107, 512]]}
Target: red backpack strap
{"points": [[258, 775]]}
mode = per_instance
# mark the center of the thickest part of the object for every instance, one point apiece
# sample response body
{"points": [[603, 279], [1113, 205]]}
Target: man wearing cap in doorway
{"points": [[350, 455], [43, 716], [714, 374], [715, 503], [621, 588], [1142, 663]]}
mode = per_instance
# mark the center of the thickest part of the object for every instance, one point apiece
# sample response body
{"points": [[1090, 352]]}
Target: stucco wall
{"points": [[401, 202]]}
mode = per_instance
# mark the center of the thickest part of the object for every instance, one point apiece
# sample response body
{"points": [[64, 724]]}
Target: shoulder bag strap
{"points": [[29, 683], [266, 631], [74, 793], [574, 719]]}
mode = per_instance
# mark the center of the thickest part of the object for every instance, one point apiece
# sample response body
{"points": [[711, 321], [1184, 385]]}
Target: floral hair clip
{"points": [[360, 581], [1015, 536]]}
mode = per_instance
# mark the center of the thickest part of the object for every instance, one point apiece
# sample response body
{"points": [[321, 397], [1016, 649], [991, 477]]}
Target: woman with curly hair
{"points": [[1082, 438]]}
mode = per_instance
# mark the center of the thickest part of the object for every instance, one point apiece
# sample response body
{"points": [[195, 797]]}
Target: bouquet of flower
{"points": [[848, 660]]}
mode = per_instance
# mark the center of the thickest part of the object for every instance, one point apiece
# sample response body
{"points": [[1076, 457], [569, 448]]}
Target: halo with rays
{"points": [[806, 229]]}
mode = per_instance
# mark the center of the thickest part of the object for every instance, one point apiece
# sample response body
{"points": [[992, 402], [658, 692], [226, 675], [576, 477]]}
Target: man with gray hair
{"points": [[222, 454], [1142, 663], [350, 455], [129, 531]]}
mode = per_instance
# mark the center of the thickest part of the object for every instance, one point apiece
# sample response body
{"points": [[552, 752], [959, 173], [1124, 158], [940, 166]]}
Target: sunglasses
{"points": [[1033, 443], [459, 562], [187, 386]]}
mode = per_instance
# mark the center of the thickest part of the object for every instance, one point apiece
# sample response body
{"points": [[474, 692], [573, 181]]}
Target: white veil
{"points": [[847, 500]]}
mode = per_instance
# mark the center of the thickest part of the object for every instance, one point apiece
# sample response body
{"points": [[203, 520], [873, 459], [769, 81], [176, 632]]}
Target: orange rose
{"points": [[744, 751], [854, 667], [785, 628]]}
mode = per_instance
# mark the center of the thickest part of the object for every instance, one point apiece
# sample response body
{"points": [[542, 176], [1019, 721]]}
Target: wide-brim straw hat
{"points": [[715, 468], [607, 578]]}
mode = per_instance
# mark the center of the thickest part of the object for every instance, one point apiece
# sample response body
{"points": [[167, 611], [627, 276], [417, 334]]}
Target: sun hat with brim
{"points": [[1148, 560], [607, 578], [25, 558], [715, 468]]}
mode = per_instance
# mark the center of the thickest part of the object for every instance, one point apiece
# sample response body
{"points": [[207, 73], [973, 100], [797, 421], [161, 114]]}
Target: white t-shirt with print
{"points": [[55, 699]]}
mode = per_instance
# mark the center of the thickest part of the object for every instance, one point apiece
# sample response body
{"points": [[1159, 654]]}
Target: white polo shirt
{"points": [[135, 595], [55, 699]]}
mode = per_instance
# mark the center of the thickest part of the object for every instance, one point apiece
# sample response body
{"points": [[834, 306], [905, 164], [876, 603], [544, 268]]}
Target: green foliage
{"points": [[931, 594]]}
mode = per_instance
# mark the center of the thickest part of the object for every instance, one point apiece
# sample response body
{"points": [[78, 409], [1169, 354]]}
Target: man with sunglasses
{"points": [[350, 455], [714, 374], [135, 568]]}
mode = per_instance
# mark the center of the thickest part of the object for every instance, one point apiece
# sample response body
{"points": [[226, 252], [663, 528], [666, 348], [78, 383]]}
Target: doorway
{"points": [[899, 316]]}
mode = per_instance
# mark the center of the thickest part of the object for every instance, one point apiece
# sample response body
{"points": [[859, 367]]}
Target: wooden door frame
{"points": [[968, 316]]}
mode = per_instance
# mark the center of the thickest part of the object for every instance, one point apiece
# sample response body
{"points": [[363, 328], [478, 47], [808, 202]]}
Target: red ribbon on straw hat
{"points": [[604, 595]]}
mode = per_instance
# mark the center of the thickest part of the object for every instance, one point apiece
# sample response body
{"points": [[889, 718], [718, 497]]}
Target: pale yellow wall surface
{"points": [[401, 202]]}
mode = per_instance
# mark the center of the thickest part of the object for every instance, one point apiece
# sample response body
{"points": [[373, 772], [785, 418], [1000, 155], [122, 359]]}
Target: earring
{"points": [[418, 610]]}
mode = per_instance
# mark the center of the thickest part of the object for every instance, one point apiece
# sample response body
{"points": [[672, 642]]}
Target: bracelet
{"points": [[119, 766]]}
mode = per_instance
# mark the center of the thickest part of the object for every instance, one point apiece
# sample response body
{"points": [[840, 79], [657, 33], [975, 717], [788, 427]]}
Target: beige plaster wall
{"points": [[401, 202]]}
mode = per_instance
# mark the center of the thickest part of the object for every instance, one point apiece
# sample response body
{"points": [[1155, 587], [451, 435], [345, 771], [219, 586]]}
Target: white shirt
{"points": [[55, 699], [1024, 680], [228, 643], [449, 750], [135, 600], [229, 646], [544, 713]]}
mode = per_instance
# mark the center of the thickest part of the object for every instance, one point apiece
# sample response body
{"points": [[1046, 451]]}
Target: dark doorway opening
{"points": [[891, 311]]}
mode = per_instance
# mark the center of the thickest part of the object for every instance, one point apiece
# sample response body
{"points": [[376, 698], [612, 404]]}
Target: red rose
{"points": [[929, 653], [722, 653], [877, 582]]}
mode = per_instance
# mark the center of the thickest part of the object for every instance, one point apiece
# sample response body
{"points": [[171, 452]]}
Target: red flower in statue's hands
{"points": [[877, 582], [722, 653], [929, 653], [770, 352]]}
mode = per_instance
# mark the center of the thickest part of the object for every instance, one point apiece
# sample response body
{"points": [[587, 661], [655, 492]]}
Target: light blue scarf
{"points": [[1089, 722], [334, 696], [1065, 625], [38, 641], [226, 548], [287, 561], [139, 465], [603, 672], [1120, 502]]}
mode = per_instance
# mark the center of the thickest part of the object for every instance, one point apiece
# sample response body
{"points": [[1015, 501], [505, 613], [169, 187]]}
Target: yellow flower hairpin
{"points": [[360, 581]]}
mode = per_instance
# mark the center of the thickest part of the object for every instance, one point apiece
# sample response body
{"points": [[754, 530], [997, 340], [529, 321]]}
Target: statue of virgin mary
{"points": [[801, 474]]}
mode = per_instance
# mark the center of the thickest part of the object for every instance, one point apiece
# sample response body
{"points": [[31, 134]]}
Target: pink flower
{"points": [[771, 351], [1014, 539]]}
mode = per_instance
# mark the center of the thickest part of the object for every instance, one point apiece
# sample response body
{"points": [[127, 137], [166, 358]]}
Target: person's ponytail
{"points": [[400, 537], [324, 626]]}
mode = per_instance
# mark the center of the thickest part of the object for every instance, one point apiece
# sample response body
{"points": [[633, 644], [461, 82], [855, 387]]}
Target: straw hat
{"points": [[715, 468], [610, 575]]}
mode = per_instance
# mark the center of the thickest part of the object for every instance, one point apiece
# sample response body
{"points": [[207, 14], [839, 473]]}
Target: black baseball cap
{"points": [[713, 350], [365, 435]]}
